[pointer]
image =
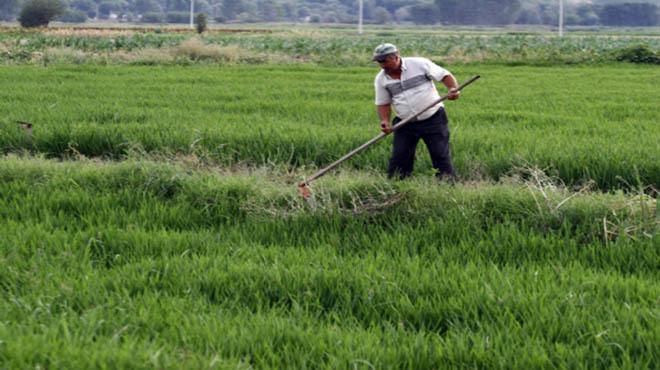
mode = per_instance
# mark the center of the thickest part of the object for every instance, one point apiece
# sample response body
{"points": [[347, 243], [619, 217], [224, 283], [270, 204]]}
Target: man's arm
{"points": [[384, 114], [452, 85]]}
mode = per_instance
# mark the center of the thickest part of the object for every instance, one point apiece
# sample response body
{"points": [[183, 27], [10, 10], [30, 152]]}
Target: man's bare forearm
{"points": [[384, 112], [452, 85], [450, 82]]}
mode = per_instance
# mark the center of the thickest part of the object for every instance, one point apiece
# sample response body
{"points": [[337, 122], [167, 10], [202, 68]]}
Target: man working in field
{"points": [[407, 83]]}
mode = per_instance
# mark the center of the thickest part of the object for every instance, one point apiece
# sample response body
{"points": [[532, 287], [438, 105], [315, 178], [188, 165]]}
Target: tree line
{"points": [[445, 12]]}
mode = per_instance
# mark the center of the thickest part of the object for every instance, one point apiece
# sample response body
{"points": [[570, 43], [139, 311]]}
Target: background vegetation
{"points": [[455, 12], [330, 47]]}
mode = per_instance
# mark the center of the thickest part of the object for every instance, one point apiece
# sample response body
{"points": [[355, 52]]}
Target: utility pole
{"points": [[360, 16], [561, 18], [192, 12]]}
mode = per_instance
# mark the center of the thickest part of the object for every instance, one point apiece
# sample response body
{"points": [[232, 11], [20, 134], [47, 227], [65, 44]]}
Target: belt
{"points": [[416, 119]]}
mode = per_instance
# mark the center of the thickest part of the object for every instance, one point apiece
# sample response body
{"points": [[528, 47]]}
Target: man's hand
{"points": [[385, 127], [453, 94]]}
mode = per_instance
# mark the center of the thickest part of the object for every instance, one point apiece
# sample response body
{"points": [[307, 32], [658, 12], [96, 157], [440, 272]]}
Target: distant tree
{"points": [[369, 8], [126, 17], [329, 17], [177, 17], [402, 14], [201, 22], [249, 6], [548, 14], [37, 13], [528, 16], [202, 6], [289, 10], [247, 17], [393, 5], [339, 11], [572, 19], [231, 8], [303, 12], [587, 14], [177, 5], [491, 12], [424, 14], [382, 16], [629, 14], [8, 9], [73, 16], [86, 6], [267, 10], [145, 6], [106, 7], [152, 17]]}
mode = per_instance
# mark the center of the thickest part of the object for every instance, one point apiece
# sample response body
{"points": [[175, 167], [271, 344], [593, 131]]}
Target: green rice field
{"points": [[577, 123], [150, 218]]}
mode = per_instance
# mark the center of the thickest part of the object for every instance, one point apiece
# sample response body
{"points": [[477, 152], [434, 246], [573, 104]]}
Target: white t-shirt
{"points": [[420, 73]]}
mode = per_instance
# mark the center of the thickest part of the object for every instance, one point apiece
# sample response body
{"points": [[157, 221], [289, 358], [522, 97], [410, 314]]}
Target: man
{"points": [[407, 84]]}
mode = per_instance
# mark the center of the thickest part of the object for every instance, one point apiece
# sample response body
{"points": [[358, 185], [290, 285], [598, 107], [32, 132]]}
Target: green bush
{"points": [[36, 13], [201, 22], [638, 54]]}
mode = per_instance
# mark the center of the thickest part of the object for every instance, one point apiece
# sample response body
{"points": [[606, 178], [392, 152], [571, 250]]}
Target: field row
{"points": [[262, 206], [297, 116], [148, 264], [321, 46]]}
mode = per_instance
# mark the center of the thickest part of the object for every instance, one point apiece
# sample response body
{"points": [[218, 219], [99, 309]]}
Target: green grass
{"points": [[578, 123], [143, 264], [151, 219]]}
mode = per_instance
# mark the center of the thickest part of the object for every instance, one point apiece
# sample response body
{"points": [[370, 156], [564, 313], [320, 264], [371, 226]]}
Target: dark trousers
{"points": [[435, 133]]}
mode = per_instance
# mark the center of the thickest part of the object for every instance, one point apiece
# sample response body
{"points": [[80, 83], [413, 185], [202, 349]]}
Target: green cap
{"points": [[383, 50]]}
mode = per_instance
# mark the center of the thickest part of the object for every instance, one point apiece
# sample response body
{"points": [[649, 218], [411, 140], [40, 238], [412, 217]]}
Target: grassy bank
{"points": [[144, 264]]}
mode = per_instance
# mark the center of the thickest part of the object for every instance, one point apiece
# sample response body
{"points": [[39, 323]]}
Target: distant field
{"points": [[577, 123], [325, 46], [149, 217]]}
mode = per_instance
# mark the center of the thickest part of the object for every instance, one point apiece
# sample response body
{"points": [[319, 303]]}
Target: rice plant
{"points": [[146, 264]]}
